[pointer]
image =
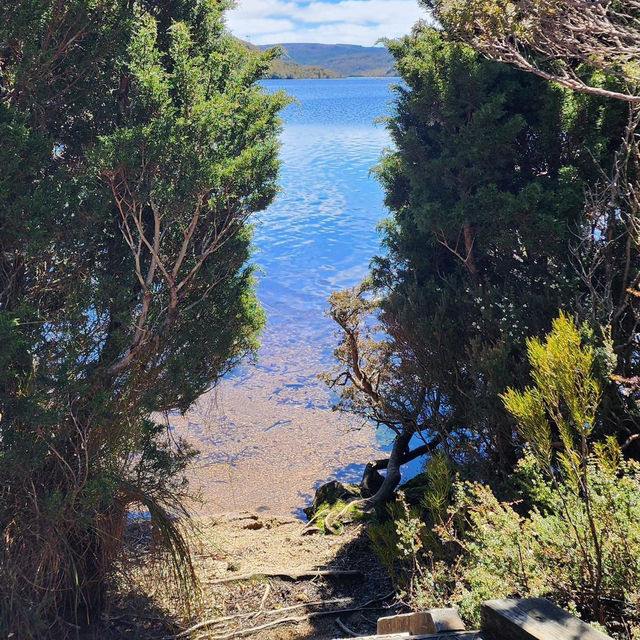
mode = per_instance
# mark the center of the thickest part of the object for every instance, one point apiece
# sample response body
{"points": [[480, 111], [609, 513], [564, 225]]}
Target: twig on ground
{"points": [[309, 524], [293, 575], [265, 596], [368, 619], [349, 632], [269, 625], [213, 621], [293, 620], [309, 529]]}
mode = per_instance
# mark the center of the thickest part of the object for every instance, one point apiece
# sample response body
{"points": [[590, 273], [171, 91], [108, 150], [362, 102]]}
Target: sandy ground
{"points": [[228, 548], [268, 438]]}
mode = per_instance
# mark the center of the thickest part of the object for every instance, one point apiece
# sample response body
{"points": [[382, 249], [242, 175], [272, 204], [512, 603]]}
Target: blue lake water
{"points": [[267, 435], [320, 234]]}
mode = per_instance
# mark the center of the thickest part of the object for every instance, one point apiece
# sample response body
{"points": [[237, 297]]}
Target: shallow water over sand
{"points": [[267, 435]]}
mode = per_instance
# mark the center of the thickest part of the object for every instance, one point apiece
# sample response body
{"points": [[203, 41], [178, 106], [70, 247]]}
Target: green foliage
{"points": [[541, 36], [552, 550], [138, 145], [573, 534], [565, 394], [437, 493], [407, 534], [485, 184], [486, 188], [383, 537], [510, 198], [564, 400], [398, 541]]}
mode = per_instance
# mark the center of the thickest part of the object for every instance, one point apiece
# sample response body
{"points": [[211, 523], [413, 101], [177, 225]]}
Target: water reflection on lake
{"points": [[267, 434]]}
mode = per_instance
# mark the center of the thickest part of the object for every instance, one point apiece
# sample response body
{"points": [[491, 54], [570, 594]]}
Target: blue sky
{"points": [[329, 21]]}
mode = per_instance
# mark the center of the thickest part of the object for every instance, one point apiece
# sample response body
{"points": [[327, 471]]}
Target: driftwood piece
{"points": [[534, 619], [292, 575]]}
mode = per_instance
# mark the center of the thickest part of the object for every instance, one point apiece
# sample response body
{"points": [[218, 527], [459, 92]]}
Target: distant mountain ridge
{"points": [[340, 59], [290, 70]]}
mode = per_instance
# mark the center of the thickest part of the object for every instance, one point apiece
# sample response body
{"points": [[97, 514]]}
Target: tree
{"points": [[380, 380], [137, 145], [559, 40], [486, 190], [591, 48]]}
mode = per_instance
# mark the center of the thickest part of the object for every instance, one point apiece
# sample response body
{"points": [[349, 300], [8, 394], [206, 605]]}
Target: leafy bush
{"points": [[549, 551], [407, 534], [574, 534]]}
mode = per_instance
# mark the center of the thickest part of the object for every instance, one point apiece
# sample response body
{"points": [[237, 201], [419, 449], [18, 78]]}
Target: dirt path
{"points": [[237, 557]]}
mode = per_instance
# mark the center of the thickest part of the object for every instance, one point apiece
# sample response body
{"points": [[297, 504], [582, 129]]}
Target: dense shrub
{"points": [[574, 534]]}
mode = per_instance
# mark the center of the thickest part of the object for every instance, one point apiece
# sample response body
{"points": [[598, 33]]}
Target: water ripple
{"points": [[320, 233]]}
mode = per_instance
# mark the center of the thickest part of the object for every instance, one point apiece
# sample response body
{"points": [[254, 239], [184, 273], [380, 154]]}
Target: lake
{"points": [[267, 434]]}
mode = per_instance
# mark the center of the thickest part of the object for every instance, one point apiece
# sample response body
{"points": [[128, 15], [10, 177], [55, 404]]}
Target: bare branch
{"points": [[552, 38]]}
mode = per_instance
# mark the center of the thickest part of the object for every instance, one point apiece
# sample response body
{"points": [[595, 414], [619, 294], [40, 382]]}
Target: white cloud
{"points": [[262, 25], [346, 21]]}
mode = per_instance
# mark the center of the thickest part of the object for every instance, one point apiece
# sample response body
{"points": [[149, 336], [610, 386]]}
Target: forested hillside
{"points": [[284, 67], [288, 70], [343, 59]]}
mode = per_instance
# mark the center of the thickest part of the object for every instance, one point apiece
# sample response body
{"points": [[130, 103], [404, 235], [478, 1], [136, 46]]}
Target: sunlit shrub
{"points": [[575, 534]]}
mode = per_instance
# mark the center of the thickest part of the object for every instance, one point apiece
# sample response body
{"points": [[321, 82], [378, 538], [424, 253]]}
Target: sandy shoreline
{"points": [[268, 438]]}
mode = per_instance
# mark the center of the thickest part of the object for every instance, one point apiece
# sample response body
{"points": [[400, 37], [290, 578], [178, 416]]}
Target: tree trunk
{"points": [[372, 479], [93, 552], [470, 259], [393, 477]]}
